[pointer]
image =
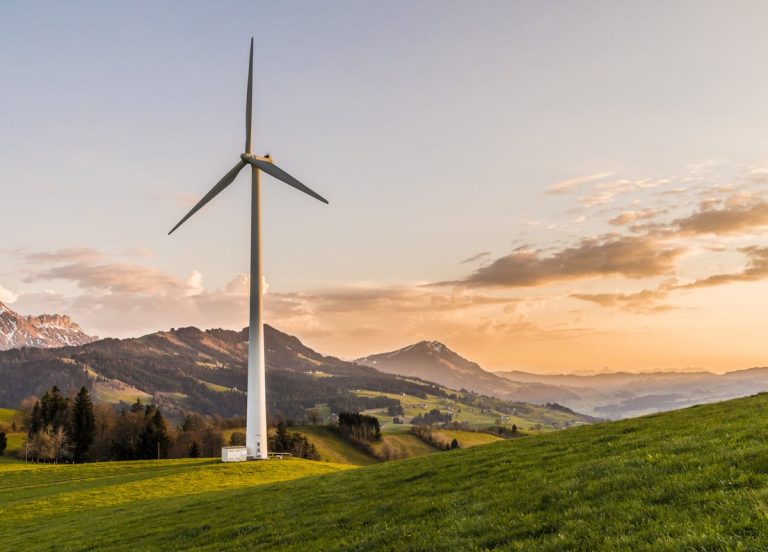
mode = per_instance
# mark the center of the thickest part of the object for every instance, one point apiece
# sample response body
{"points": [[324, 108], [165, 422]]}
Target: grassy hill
{"points": [[694, 479]]}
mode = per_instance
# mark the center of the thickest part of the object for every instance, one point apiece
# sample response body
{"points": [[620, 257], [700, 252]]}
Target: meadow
{"points": [[693, 479], [537, 419]]}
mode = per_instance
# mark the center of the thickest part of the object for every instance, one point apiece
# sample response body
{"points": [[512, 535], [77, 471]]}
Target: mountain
{"points": [[46, 330], [625, 394], [433, 361], [204, 371], [188, 369]]}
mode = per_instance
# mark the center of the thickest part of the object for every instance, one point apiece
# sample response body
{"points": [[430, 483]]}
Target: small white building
{"points": [[234, 454]]}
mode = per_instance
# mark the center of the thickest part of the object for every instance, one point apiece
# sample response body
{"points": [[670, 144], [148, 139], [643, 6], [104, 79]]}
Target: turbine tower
{"points": [[256, 430]]}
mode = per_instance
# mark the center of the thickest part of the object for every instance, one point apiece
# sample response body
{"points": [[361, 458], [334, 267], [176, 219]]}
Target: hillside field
{"points": [[529, 418], [693, 479]]}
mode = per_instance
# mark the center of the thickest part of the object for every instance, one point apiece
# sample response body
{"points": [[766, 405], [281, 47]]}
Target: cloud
{"points": [[7, 296], [142, 252], [71, 254], [627, 256], [194, 283], [400, 298], [652, 250], [476, 257], [755, 269], [566, 186], [115, 278], [630, 217], [733, 218], [380, 312], [605, 192], [123, 298], [645, 301]]}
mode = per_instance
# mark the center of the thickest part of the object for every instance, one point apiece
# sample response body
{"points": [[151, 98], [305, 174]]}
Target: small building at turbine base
{"points": [[234, 454]]}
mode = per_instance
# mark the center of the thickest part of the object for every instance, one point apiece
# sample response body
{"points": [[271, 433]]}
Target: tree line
{"points": [[432, 417], [359, 427], [73, 429]]}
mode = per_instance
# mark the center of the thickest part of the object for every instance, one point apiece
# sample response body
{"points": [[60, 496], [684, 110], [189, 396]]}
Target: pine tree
{"points": [[154, 440], [53, 407], [282, 440], [3, 442], [194, 450], [83, 425], [36, 423]]}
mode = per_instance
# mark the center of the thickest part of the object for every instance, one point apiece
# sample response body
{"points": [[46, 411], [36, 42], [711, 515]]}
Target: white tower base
{"points": [[256, 415]]}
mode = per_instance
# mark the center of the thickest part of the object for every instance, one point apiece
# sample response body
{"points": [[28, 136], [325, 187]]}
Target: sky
{"points": [[543, 186]]}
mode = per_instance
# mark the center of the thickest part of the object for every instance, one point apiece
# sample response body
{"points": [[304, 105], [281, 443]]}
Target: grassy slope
{"points": [[466, 439], [690, 479], [15, 440], [333, 448], [399, 445], [46, 495]]}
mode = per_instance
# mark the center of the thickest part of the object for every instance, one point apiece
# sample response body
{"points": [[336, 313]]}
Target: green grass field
{"points": [[694, 479], [398, 446], [466, 439], [6, 415]]}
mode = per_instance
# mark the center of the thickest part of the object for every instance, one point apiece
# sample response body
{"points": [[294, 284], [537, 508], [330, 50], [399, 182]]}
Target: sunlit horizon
{"points": [[552, 191]]}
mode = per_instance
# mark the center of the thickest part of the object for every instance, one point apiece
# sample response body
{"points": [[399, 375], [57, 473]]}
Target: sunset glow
{"points": [[535, 209]]}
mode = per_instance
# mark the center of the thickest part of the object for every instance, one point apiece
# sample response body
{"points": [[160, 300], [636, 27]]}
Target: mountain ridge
{"points": [[42, 331], [434, 361]]}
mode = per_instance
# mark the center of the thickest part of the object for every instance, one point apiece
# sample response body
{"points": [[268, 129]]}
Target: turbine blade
{"points": [[223, 183], [249, 103], [280, 174]]}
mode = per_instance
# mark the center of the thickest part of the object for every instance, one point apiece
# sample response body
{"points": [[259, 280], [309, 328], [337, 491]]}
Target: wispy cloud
{"points": [[71, 254], [631, 217], [644, 301], [569, 185], [476, 257], [756, 269]]}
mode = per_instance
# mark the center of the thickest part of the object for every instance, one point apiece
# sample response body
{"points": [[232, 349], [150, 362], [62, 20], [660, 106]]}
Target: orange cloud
{"points": [[630, 217], [628, 256], [756, 269], [734, 218]]}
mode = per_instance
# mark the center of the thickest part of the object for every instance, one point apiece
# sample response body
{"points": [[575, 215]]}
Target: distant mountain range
{"points": [[613, 395], [203, 371], [433, 361], [46, 330], [622, 394]]}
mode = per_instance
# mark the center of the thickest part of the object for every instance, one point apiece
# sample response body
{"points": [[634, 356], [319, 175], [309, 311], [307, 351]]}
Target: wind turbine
{"points": [[256, 422]]}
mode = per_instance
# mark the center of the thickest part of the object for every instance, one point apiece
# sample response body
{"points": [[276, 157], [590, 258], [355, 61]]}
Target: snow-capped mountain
{"points": [[44, 331]]}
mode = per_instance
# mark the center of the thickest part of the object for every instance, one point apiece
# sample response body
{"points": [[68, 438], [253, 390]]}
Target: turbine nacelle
{"points": [[252, 159]]}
